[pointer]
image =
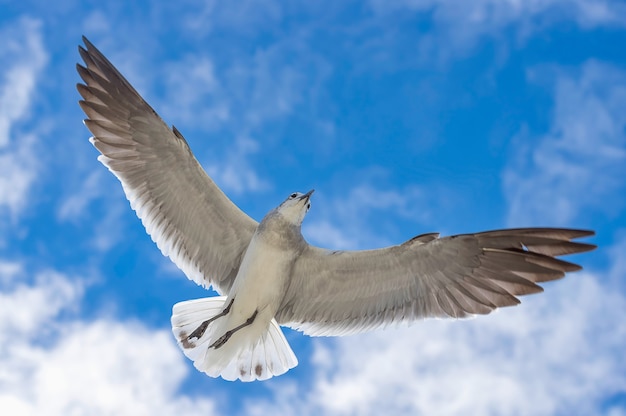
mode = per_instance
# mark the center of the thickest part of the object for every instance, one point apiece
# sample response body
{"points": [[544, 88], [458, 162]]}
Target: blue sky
{"points": [[406, 117]]}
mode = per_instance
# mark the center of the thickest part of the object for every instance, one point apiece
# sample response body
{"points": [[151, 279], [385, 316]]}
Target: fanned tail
{"points": [[242, 357]]}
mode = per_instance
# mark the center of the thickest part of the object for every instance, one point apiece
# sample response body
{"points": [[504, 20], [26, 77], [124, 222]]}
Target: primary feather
{"points": [[186, 214]]}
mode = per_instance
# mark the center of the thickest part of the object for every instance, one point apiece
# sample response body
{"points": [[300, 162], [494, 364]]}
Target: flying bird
{"points": [[267, 274]]}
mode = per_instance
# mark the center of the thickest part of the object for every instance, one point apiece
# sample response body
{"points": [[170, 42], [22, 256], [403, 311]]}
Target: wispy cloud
{"points": [[233, 98], [247, 17], [193, 94], [355, 218], [458, 26], [618, 265], [97, 205], [578, 165], [235, 172], [22, 57], [18, 171], [74, 206], [241, 91], [490, 15]]}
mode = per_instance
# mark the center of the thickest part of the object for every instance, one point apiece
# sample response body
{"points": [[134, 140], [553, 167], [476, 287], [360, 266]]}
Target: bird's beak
{"points": [[308, 194]]}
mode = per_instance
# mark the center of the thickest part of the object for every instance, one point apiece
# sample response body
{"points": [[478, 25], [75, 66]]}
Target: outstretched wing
{"points": [[183, 210], [343, 292]]}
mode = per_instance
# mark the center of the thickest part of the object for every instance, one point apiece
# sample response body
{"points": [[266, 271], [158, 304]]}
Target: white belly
{"points": [[259, 286]]}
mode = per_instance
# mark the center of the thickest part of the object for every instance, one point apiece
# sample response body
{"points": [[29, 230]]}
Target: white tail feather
{"points": [[242, 357]]}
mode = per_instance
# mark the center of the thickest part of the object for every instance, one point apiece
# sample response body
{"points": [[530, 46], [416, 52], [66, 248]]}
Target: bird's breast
{"points": [[262, 278]]}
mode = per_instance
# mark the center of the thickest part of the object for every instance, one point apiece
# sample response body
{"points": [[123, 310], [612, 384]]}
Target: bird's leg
{"points": [[222, 340], [199, 331]]}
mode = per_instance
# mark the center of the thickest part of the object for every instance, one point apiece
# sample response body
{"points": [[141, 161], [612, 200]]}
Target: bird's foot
{"points": [[199, 331], [224, 338]]}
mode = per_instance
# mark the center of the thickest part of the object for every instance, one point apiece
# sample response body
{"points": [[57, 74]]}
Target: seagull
{"points": [[266, 273]]}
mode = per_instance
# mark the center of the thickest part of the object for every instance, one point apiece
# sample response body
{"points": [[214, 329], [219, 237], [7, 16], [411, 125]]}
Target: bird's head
{"points": [[295, 207]]}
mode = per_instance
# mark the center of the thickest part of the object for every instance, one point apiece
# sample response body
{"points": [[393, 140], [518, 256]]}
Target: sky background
{"points": [[406, 116]]}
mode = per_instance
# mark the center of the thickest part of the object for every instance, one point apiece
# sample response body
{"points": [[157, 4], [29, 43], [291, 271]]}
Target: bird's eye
{"points": [[292, 196], [308, 206]]}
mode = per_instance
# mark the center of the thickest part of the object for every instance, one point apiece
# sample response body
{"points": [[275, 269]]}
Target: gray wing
{"points": [[343, 292], [183, 210]]}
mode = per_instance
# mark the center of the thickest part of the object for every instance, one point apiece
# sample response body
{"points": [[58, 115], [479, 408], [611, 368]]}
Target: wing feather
{"points": [[183, 210], [337, 293]]}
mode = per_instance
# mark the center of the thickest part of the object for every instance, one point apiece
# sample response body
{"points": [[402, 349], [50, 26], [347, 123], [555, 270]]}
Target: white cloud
{"points": [[22, 57], [274, 82], [237, 89], [489, 15], [235, 99], [560, 352], [457, 26], [109, 229], [353, 218], [55, 365], [97, 205], [234, 172], [617, 273], [330, 234], [96, 22], [26, 309], [18, 171], [193, 95], [244, 91], [579, 165], [74, 206], [108, 367], [8, 271]]}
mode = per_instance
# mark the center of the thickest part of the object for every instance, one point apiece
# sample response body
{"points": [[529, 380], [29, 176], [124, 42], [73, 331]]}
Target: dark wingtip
{"points": [[86, 41], [584, 247]]}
